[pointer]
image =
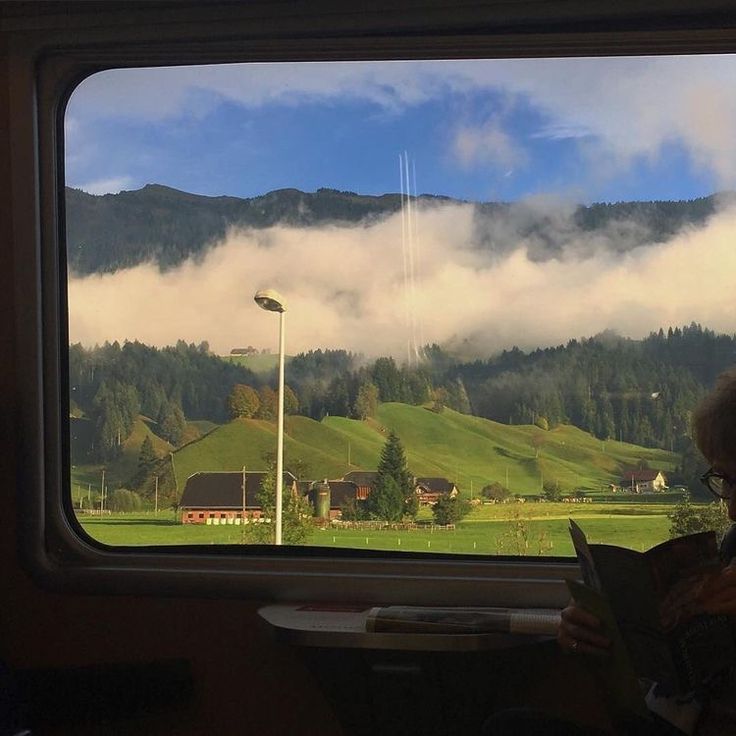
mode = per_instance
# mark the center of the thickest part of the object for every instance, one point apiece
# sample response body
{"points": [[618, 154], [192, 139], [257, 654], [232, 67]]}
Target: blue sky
{"points": [[581, 129]]}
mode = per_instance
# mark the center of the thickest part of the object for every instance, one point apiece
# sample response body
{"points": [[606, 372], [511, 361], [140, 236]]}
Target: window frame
{"points": [[45, 65]]}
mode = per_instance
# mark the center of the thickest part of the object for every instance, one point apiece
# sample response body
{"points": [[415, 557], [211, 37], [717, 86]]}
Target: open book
{"points": [[649, 602]]}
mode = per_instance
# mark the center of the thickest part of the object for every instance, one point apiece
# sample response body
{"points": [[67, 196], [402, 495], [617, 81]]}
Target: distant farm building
{"points": [[363, 479], [250, 350], [328, 497], [644, 481], [430, 490], [225, 497]]}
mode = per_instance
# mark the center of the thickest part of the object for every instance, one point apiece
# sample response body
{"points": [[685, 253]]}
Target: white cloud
{"points": [[112, 185], [487, 144], [628, 106], [345, 288]]}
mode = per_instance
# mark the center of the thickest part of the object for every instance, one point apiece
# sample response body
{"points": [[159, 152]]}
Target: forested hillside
{"points": [[166, 226], [639, 392]]}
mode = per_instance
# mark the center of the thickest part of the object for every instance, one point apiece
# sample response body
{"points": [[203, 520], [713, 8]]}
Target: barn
{"points": [[225, 497]]}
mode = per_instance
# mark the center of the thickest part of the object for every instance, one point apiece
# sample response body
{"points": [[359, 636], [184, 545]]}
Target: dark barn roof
{"points": [[361, 477], [342, 491], [436, 485], [224, 490]]}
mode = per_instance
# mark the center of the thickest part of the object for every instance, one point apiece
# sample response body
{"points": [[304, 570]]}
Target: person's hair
{"points": [[714, 420]]}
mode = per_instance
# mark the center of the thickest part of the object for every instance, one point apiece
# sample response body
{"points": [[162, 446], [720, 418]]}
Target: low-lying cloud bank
{"points": [[345, 288]]}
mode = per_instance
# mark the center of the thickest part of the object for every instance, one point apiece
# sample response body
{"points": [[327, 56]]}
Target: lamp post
{"points": [[272, 301]]}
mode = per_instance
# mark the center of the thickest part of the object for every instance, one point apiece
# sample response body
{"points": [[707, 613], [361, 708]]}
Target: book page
{"points": [[626, 581], [618, 671]]}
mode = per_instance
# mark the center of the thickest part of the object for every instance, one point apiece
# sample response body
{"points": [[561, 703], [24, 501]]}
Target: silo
{"points": [[321, 499]]}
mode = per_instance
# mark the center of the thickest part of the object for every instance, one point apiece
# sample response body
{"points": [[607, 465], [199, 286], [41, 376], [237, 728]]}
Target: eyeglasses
{"points": [[718, 484]]}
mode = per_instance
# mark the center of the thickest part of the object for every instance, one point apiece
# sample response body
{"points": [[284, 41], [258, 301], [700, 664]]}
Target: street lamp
{"points": [[272, 301]]}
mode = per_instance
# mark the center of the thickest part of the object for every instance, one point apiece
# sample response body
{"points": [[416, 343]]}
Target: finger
{"points": [[573, 646], [584, 635], [580, 617]]}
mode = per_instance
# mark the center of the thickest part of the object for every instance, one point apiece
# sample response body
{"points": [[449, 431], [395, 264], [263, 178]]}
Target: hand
{"points": [[719, 597], [580, 632]]}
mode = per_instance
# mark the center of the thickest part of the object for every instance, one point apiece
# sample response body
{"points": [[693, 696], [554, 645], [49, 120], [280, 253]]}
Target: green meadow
{"points": [[532, 528]]}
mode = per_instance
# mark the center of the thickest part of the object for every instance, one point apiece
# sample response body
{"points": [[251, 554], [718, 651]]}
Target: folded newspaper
{"points": [[462, 620]]}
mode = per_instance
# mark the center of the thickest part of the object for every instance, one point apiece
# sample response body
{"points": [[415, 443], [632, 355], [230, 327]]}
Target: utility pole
{"points": [[102, 492], [242, 511], [155, 496]]}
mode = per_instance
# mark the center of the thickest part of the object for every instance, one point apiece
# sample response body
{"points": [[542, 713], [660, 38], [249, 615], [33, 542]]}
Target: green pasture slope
{"points": [[261, 364], [468, 450]]}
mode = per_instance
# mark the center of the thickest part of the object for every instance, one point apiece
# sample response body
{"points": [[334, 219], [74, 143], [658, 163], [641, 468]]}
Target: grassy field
{"points": [[531, 528], [259, 363]]}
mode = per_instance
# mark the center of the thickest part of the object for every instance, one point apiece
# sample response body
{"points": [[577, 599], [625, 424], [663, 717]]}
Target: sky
{"points": [[587, 129], [546, 134]]}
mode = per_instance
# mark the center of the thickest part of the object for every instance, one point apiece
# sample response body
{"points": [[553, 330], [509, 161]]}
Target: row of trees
{"points": [[246, 402]]}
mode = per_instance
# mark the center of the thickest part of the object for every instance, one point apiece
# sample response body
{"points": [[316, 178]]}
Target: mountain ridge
{"points": [[166, 226]]}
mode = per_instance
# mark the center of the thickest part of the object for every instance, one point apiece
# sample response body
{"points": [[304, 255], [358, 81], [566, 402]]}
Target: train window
{"points": [[488, 271]]}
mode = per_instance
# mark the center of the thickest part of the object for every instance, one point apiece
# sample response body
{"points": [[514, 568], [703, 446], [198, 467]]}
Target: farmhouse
{"points": [[225, 497], [430, 490], [644, 481], [363, 479]]}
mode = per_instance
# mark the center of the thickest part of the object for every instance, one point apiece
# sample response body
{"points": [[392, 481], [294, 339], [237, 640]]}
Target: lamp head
{"points": [[270, 300]]}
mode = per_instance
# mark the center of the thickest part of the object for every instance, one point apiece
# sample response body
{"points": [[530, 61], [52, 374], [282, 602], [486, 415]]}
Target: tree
{"points": [[457, 396], [387, 379], [551, 490], [172, 422], [366, 402], [537, 441], [450, 510], [392, 495], [495, 491], [146, 460], [268, 403], [296, 512], [686, 518], [291, 401], [122, 499], [243, 402]]}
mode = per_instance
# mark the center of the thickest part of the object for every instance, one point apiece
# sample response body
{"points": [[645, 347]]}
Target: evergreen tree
{"points": [[392, 495], [146, 460], [172, 422]]}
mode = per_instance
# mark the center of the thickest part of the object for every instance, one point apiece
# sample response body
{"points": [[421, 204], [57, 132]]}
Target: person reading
{"points": [[580, 633]]}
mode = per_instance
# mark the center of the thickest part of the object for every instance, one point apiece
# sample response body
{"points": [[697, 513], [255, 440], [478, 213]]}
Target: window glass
{"points": [[502, 288]]}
